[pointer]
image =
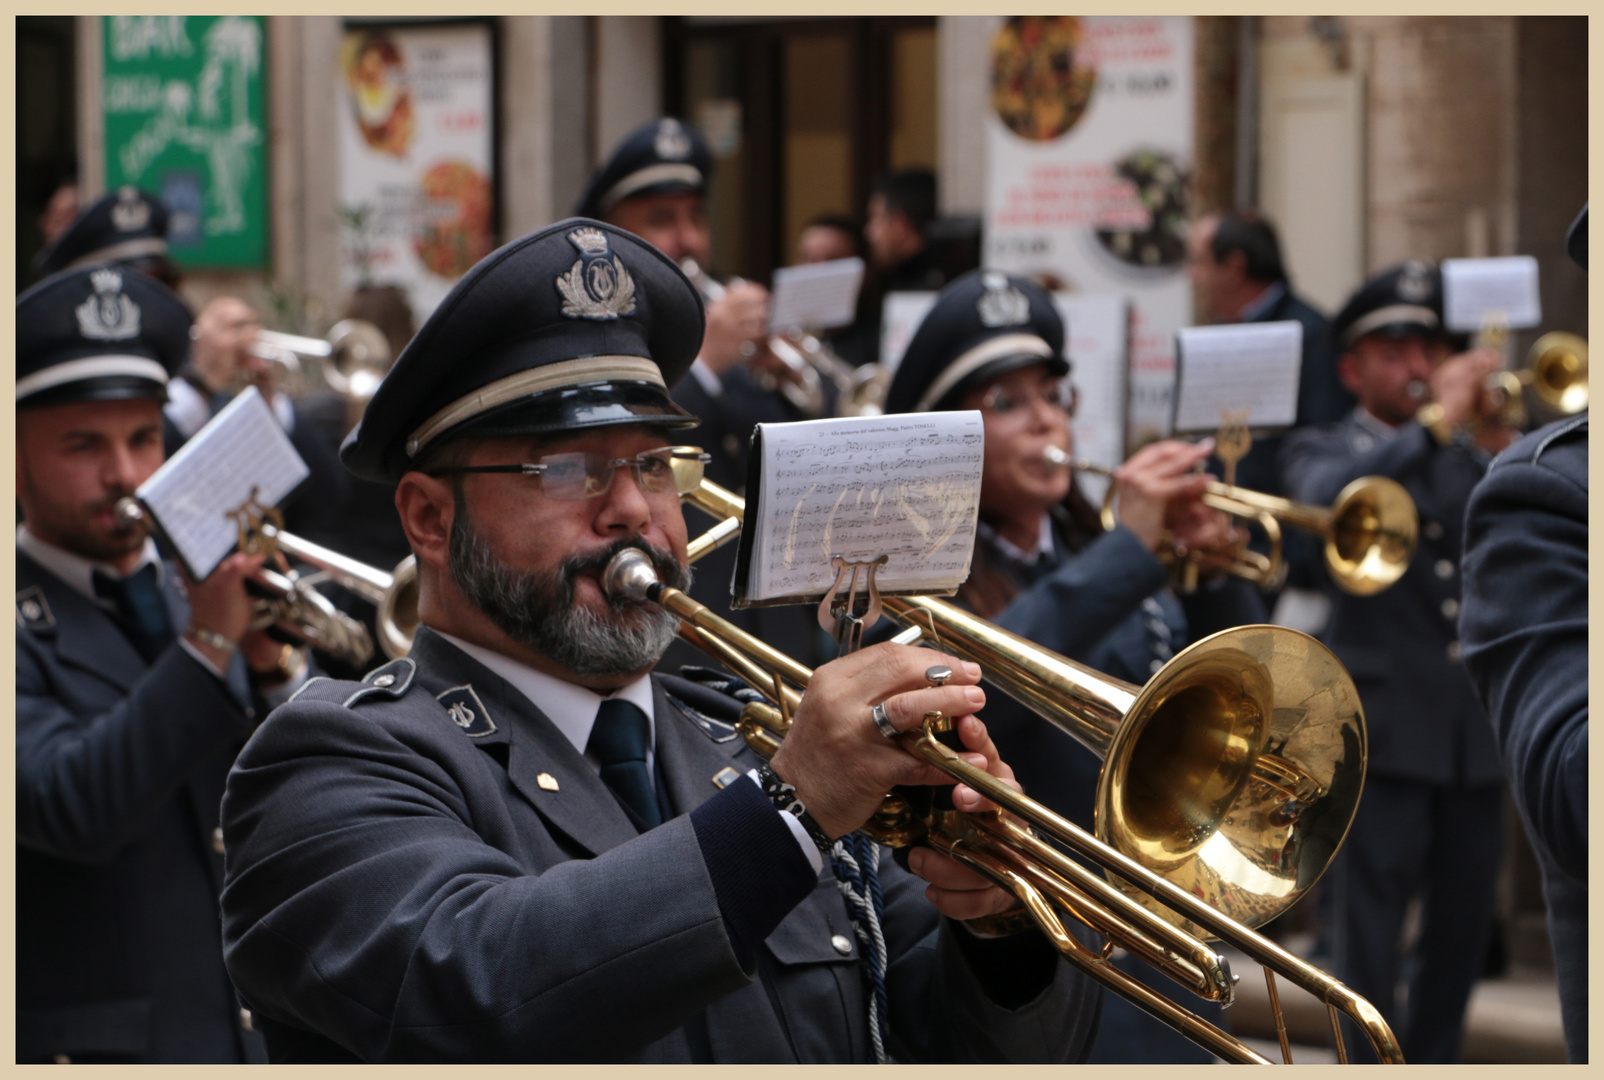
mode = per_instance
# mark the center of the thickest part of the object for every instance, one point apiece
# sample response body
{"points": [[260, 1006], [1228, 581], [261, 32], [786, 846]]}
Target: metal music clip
{"points": [[838, 612]]}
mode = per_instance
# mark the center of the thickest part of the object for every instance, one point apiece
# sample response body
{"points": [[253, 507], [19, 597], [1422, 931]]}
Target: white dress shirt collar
{"points": [[76, 570], [1042, 550], [571, 707]]}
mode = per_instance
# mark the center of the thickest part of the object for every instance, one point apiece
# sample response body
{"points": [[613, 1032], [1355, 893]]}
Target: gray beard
{"points": [[536, 609]]}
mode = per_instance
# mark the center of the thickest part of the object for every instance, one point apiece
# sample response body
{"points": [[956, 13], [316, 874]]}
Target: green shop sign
{"points": [[185, 110]]}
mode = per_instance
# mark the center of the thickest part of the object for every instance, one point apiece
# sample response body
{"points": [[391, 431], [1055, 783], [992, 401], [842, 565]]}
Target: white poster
{"points": [[1089, 152], [1095, 331], [416, 157]]}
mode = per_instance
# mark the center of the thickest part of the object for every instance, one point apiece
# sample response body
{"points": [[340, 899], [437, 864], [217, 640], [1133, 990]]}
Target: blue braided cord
{"points": [[853, 861]]}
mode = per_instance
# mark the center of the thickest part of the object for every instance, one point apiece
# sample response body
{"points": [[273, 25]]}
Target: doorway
{"points": [[802, 115]]}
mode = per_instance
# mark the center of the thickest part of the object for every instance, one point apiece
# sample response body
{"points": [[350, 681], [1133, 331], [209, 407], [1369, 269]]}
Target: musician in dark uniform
{"points": [[517, 843], [1045, 568], [126, 227], [655, 186], [1430, 823], [1524, 628], [132, 699]]}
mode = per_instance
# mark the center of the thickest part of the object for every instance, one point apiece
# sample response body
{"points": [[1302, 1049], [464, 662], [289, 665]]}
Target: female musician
{"points": [[1045, 568]]}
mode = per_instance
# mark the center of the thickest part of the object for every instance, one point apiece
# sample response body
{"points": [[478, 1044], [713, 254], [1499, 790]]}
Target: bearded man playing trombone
{"points": [[516, 844]]}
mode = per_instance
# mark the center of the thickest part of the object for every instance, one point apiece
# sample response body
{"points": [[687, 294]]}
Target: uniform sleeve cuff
{"points": [[759, 872]]}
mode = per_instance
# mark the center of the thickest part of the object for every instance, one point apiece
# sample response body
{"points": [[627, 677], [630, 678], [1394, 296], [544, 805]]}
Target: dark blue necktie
{"points": [[618, 740], [141, 608]]}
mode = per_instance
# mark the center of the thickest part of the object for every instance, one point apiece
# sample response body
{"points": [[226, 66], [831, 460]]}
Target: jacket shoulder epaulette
{"points": [[387, 682]]}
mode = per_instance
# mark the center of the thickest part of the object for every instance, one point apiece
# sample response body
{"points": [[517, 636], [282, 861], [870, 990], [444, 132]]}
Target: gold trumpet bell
{"points": [[1236, 773], [1559, 372], [1372, 537]]}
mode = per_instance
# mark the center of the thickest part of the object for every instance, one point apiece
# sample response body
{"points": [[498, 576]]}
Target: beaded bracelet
{"points": [[783, 796]]}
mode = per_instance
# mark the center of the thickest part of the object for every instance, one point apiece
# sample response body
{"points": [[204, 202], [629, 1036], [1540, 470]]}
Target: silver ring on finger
{"points": [[883, 722]]}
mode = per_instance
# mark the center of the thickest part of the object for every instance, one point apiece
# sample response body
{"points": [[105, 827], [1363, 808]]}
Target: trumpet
{"points": [[1370, 531], [351, 361], [288, 601], [1555, 373], [1229, 781], [809, 360]]}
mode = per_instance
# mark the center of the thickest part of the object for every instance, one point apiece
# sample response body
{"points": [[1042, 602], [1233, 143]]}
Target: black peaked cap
{"points": [[579, 325], [96, 334], [120, 226], [983, 324], [1576, 240], [1401, 301], [657, 158]]}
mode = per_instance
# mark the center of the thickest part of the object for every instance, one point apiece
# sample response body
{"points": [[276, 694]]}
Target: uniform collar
{"points": [[1042, 550], [76, 570], [1262, 303], [570, 707], [1372, 423]]}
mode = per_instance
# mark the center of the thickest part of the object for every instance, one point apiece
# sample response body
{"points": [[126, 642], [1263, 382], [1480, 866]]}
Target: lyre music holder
{"points": [[838, 612], [250, 516]]}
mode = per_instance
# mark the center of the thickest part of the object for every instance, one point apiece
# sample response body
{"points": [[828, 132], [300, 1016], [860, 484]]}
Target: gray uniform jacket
{"points": [[1402, 645], [120, 770], [402, 889], [1525, 632]]}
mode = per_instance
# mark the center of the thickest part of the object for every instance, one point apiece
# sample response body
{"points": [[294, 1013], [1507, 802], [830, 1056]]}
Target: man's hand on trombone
{"points": [[842, 765]]}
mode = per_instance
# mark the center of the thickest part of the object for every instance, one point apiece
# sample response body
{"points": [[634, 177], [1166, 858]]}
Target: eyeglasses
{"points": [[577, 476], [1003, 401]]}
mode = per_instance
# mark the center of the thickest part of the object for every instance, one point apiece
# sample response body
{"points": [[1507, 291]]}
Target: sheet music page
{"points": [[900, 316], [241, 448], [1473, 289], [1244, 366], [1096, 328], [816, 296], [905, 486]]}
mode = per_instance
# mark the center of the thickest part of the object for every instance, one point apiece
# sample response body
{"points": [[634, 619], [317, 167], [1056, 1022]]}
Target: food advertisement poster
{"points": [[1089, 150], [416, 157], [185, 106]]}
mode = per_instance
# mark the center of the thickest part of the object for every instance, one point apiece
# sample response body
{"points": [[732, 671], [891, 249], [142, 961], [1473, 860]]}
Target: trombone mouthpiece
{"points": [[128, 511], [630, 576], [1057, 457], [1418, 390]]}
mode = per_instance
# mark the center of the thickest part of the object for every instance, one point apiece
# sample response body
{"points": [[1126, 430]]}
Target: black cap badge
{"points": [[597, 286], [1001, 304], [130, 212], [109, 315], [1414, 282], [671, 142]]}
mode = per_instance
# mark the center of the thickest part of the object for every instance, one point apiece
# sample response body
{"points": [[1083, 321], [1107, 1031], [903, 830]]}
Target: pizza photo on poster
{"points": [[376, 76], [1041, 78]]}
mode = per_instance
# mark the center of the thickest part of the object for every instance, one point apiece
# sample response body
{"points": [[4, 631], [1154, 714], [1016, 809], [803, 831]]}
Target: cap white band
{"points": [[1393, 313], [91, 367], [128, 249], [649, 177], [978, 357], [586, 369]]}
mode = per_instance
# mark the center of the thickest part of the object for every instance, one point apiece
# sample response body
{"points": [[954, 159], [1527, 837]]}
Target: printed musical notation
{"points": [[904, 486], [241, 449], [1252, 367]]}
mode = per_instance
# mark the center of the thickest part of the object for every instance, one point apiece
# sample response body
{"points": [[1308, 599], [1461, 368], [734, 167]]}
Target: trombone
{"points": [[1229, 781], [1370, 531]]}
